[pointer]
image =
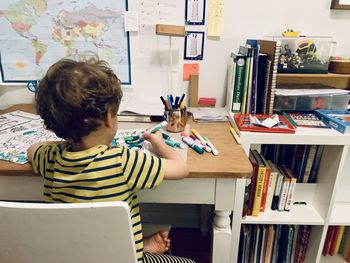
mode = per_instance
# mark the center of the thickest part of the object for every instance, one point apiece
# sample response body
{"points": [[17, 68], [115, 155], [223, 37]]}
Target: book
{"points": [[337, 119], [252, 185], [273, 49], [269, 243], [309, 162], [259, 183], [336, 241], [248, 52], [253, 43], [291, 188], [266, 184], [239, 62], [272, 183], [304, 119], [260, 97], [316, 164], [284, 192], [278, 188], [328, 241], [243, 122], [296, 240], [276, 246]]}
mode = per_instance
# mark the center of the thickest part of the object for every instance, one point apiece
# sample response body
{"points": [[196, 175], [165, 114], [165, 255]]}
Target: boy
{"points": [[79, 102]]}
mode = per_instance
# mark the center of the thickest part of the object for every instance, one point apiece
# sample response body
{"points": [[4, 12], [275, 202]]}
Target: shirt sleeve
{"points": [[41, 157], [142, 170]]}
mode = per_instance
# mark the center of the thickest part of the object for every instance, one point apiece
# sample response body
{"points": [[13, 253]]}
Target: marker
{"points": [[164, 103], [213, 149], [238, 140], [169, 101], [177, 143], [192, 144], [199, 137], [157, 127], [170, 143], [182, 98], [204, 146]]}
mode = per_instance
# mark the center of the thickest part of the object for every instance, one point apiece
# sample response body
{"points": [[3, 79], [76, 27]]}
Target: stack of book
{"points": [[337, 242], [272, 185], [252, 74], [273, 243]]}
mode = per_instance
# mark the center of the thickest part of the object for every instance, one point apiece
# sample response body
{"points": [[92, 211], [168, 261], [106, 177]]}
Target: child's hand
{"points": [[154, 138]]}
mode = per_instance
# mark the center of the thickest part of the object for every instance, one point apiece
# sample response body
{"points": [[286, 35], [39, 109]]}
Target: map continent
{"points": [[37, 33]]}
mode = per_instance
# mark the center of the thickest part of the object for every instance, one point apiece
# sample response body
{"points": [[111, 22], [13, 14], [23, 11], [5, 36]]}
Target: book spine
{"points": [[231, 67], [265, 189], [284, 192], [238, 83], [316, 164], [274, 76], [290, 195], [271, 189], [246, 83], [258, 191], [309, 162], [277, 192]]}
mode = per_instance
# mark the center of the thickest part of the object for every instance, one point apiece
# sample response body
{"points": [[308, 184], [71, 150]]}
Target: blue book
{"points": [[337, 119]]}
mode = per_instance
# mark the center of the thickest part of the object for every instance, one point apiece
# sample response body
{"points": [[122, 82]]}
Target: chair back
{"points": [[79, 233]]}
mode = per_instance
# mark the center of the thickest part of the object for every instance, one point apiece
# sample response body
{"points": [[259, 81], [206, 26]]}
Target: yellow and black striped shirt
{"points": [[98, 174]]}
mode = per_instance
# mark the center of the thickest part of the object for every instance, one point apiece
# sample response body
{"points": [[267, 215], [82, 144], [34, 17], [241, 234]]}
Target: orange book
{"points": [[266, 184], [327, 243], [346, 250], [337, 240], [333, 241]]}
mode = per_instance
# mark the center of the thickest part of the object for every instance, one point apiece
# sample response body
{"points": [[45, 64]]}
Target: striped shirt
{"points": [[98, 174]]}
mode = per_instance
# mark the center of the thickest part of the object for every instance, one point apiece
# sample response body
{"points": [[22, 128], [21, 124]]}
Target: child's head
{"points": [[74, 97]]}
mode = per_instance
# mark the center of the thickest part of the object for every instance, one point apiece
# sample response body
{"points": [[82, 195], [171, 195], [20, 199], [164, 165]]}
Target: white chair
{"points": [[66, 233]]}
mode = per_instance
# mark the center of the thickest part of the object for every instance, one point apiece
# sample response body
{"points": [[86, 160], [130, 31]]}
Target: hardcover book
{"points": [[337, 119], [244, 123], [304, 119]]}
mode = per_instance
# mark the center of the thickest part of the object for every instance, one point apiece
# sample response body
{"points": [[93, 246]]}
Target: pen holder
{"points": [[176, 119]]}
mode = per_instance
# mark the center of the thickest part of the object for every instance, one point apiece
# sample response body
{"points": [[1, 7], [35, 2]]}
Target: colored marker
{"points": [[199, 137], [169, 101], [192, 144], [204, 146], [182, 98], [213, 149], [238, 140], [164, 103], [157, 127], [177, 143], [170, 143]]}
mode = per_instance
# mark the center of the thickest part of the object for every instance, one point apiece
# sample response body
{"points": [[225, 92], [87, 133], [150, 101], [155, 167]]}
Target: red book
{"points": [[244, 124], [328, 241]]}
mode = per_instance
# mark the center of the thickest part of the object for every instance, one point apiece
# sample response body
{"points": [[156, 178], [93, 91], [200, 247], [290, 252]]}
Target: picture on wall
{"points": [[340, 4]]}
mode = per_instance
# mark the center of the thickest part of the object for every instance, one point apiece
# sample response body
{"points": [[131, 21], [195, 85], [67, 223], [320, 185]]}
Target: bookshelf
{"points": [[340, 81], [327, 201]]}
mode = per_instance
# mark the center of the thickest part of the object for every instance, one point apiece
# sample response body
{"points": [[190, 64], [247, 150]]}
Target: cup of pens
{"points": [[175, 113], [176, 119]]}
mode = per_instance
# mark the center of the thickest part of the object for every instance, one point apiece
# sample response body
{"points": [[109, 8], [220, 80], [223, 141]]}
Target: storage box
{"points": [[304, 54], [311, 102]]}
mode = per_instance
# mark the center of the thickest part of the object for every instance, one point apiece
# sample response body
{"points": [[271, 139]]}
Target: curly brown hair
{"points": [[74, 97]]}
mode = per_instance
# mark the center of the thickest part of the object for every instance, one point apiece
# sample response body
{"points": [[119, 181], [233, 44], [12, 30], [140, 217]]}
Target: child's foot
{"points": [[158, 243]]}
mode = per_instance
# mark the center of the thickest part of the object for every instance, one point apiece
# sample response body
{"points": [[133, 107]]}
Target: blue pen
{"points": [[169, 101], [176, 104], [192, 144], [172, 100]]}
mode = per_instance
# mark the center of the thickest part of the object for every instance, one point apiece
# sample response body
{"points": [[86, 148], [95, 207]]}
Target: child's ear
{"points": [[110, 119]]}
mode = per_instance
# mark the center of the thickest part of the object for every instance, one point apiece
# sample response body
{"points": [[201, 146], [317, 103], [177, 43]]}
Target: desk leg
{"points": [[224, 201]]}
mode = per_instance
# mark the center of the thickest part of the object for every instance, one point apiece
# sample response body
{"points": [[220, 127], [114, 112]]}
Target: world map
{"points": [[36, 33]]}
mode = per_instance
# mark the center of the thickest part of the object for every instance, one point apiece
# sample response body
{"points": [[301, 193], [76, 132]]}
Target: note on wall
{"points": [[190, 69], [195, 12], [215, 18], [194, 45]]}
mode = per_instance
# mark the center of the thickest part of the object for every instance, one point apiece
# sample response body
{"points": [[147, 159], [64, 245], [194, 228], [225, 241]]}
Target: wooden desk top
{"points": [[231, 162]]}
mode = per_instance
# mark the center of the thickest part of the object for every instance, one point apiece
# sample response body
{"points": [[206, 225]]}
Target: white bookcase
{"points": [[327, 200]]}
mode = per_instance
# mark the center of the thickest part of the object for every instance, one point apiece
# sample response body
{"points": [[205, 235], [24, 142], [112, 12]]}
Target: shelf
{"points": [[340, 81], [340, 214], [299, 215], [301, 136], [333, 259]]}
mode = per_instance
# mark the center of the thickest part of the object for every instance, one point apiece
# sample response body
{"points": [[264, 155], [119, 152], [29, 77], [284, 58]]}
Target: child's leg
{"points": [[158, 258]]}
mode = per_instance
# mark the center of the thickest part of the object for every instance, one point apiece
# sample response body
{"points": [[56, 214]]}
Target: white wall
{"points": [[242, 19]]}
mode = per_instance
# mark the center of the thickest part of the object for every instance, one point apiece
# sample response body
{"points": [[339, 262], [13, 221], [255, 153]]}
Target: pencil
{"points": [[237, 139]]}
